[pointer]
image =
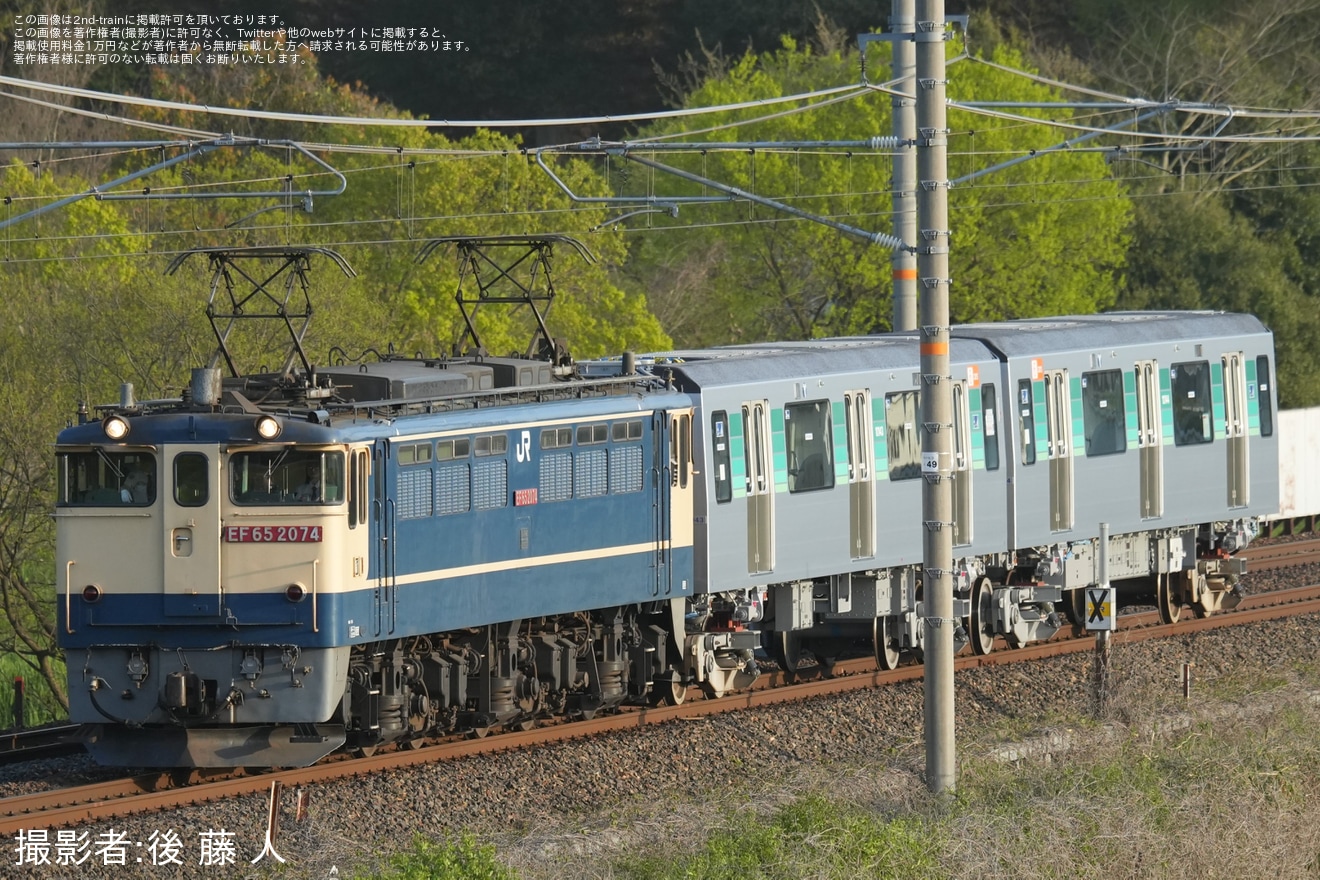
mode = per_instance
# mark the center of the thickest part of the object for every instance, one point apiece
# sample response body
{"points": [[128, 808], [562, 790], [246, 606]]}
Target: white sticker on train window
{"points": [[989, 423]]}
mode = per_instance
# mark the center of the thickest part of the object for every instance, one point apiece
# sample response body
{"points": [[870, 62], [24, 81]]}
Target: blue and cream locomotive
{"points": [[270, 567]]}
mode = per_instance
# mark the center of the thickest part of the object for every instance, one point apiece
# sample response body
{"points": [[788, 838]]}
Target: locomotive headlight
{"points": [[115, 427], [91, 594], [294, 592], [268, 427]]}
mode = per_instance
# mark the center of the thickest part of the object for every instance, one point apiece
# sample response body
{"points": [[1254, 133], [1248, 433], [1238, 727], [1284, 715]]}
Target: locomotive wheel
{"points": [[1170, 608], [886, 652], [364, 751], [786, 650], [1077, 607], [671, 691], [982, 628]]}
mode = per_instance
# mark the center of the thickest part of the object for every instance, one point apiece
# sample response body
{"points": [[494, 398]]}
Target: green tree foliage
{"points": [[1221, 224], [1196, 253], [54, 351], [1046, 236]]}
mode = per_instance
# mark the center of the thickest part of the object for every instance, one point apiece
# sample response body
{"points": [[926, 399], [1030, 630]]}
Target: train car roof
{"points": [[740, 365], [1035, 336]]}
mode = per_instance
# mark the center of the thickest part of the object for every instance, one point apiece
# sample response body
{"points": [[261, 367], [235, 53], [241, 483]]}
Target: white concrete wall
{"points": [[1299, 462]]}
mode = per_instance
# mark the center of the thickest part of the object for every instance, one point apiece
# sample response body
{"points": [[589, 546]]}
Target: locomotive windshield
{"points": [[100, 478], [287, 476]]}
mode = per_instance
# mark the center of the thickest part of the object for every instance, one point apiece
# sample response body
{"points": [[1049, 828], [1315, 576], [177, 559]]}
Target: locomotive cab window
{"points": [[1102, 412], [1193, 422], [286, 476], [809, 446], [191, 483], [100, 478]]}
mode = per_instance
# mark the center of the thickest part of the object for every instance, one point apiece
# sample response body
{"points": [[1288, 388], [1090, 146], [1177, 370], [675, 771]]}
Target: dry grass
{"points": [[1225, 785]]}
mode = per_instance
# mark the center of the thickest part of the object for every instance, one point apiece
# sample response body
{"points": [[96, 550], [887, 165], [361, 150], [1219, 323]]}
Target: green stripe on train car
{"points": [[779, 449], [737, 455], [840, 429]]}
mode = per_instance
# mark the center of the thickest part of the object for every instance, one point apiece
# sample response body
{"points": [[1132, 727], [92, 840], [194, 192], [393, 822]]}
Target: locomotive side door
{"points": [[1150, 439], [681, 486], [191, 492], [383, 520]]}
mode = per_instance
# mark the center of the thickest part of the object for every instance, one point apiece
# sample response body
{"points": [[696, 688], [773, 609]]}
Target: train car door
{"points": [[1235, 428], [383, 517], [1150, 435], [861, 473], [1058, 419], [193, 492], [961, 469], [760, 487]]}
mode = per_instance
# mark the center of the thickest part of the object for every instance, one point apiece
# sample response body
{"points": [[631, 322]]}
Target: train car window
{"points": [[556, 438], [1263, 395], [990, 427], [1193, 422], [415, 453], [809, 446], [590, 434], [903, 435], [719, 444], [286, 476], [1103, 419], [448, 450], [495, 444], [191, 483], [99, 478], [1027, 421], [630, 430]]}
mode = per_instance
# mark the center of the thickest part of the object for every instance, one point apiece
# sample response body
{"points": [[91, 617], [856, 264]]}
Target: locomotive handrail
{"points": [[68, 596], [316, 563]]}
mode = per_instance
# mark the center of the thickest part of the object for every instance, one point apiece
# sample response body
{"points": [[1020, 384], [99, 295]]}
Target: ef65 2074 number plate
{"points": [[272, 534]]}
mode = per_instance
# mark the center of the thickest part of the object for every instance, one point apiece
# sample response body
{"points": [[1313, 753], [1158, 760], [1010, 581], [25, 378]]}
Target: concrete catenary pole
{"points": [[904, 263], [936, 393]]}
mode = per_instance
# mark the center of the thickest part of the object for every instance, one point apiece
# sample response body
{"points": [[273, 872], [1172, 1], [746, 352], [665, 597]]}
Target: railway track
{"points": [[50, 741], [159, 791], [1271, 556]]}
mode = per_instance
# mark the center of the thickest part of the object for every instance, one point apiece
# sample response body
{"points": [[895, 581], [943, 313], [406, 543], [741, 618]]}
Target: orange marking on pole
{"points": [[934, 348], [905, 274]]}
